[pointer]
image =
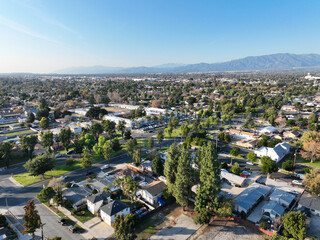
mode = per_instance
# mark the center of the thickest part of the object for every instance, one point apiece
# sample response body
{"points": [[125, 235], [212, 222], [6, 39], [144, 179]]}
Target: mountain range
{"points": [[272, 62]]}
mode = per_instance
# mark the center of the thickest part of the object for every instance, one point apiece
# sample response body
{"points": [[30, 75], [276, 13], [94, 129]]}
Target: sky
{"points": [[42, 36]]}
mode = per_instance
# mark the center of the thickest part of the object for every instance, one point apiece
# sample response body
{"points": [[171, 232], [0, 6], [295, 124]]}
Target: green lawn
{"points": [[83, 215], [25, 179], [301, 160], [175, 133], [19, 133]]}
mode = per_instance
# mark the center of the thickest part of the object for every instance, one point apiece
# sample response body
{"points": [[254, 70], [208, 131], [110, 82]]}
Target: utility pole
{"points": [[295, 158], [41, 226]]}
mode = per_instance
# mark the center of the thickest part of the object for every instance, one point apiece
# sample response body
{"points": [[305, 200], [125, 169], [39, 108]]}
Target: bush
{"points": [[224, 165], [67, 203], [3, 221], [288, 165], [68, 185], [94, 191], [306, 170], [235, 151], [236, 169]]}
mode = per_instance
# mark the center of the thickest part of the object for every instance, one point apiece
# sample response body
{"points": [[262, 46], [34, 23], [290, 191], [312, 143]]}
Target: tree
{"points": [[127, 134], [121, 126], [252, 156], [124, 227], [30, 117], [64, 136], [169, 130], [208, 191], [96, 112], [160, 137], [86, 160], [43, 103], [107, 150], [175, 122], [47, 140], [268, 166], [46, 194], [236, 169], [44, 123], [288, 165], [157, 165], [170, 166], [28, 143], [136, 156], [129, 146], [97, 148], [156, 103], [40, 164], [109, 127], [311, 150], [227, 138], [224, 208], [185, 130], [183, 183], [235, 151], [96, 130], [150, 143], [312, 181], [42, 113], [31, 219], [294, 224], [5, 152], [88, 140]]}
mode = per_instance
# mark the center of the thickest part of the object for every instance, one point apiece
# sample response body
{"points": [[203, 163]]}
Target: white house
{"points": [[116, 119], [276, 153], [110, 211], [94, 202], [153, 191], [75, 128]]}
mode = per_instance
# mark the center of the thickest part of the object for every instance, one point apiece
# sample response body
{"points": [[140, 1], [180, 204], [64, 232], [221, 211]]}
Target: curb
{"points": [[15, 182]]}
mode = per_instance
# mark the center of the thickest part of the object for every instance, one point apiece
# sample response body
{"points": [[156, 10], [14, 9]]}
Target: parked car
{"points": [[62, 221], [244, 175], [296, 182], [250, 163], [105, 167], [63, 177], [58, 155], [72, 229]]}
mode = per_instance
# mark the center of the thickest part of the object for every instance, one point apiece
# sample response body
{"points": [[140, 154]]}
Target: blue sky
{"points": [[43, 36]]}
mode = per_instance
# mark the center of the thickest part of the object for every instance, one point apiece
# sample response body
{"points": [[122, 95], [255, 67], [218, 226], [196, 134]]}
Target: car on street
{"points": [[62, 221], [250, 163], [63, 177], [105, 167], [59, 155], [246, 173], [296, 182], [72, 229]]}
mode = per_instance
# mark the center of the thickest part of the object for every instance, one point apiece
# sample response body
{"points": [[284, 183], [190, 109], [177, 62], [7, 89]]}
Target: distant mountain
{"points": [[276, 62]]}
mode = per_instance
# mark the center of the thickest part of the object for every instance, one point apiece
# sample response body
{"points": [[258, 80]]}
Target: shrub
{"points": [[3, 221], [67, 203], [68, 185], [224, 165], [235, 151], [236, 169], [70, 161], [288, 165], [94, 191]]}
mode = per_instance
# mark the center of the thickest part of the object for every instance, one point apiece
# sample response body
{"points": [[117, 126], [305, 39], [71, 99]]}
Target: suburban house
{"points": [[282, 197], [247, 143], [250, 197], [153, 191], [78, 195], [310, 202], [268, 130], [291, 135], [94, 202], [273, 210], [241, 134], [232, 178], [146, 166], [110, 211], [39, 149], [289, 108], [276, 153]]}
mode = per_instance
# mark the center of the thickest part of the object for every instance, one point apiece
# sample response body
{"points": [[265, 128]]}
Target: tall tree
{"points": [[30, 117], [107, 150], [65, 136], [97, 148], [137, 156], [157, 165], [183, 183], [47, 140], [44, 123], [171, 165], [150, 143], [109, 127], [124, 227], [86, 160], [5, 152], [121, 127], [28, 143], [208, 191], [160, 137], [294, 224], [268, 166], [40, 164], [96, 130], [31, 219], [312, 181]]}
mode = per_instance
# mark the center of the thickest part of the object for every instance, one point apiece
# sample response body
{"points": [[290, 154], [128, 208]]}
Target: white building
{"points": [[156, 111], [116, 119], [110, 211], [276, 153], [94, 202], [81, 111], [232, 178], [153, 191], [75, 128], [124, 106]]}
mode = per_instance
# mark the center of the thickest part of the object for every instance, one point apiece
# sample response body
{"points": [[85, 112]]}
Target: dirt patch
{"points": [[222, 229], [113, 109]]}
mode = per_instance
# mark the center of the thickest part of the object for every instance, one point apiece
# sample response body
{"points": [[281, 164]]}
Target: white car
{"points": [[58, 155], [63, 177], [105, 167], [249, 162], [296, 182]]}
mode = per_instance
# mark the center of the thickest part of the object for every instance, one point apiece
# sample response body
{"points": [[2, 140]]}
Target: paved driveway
{"points": [[183, 228], [314, 229]]}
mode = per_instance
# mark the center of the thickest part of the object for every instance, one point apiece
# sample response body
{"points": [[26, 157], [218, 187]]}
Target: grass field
{"points": [[301, 160], [19, 133]]}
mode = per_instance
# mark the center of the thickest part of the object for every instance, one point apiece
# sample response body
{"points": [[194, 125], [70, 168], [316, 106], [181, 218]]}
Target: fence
{"points": [[249, 224]]}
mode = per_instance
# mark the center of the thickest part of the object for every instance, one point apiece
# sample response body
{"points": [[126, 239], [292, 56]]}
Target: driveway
{"points": [[314, 229], [183, 228]]}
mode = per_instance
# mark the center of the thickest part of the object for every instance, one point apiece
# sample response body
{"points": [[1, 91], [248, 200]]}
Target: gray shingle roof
{"points": [[283, 195], [98, 197], [309, 201], [114, 207], [274, 208], [155, 188]]}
